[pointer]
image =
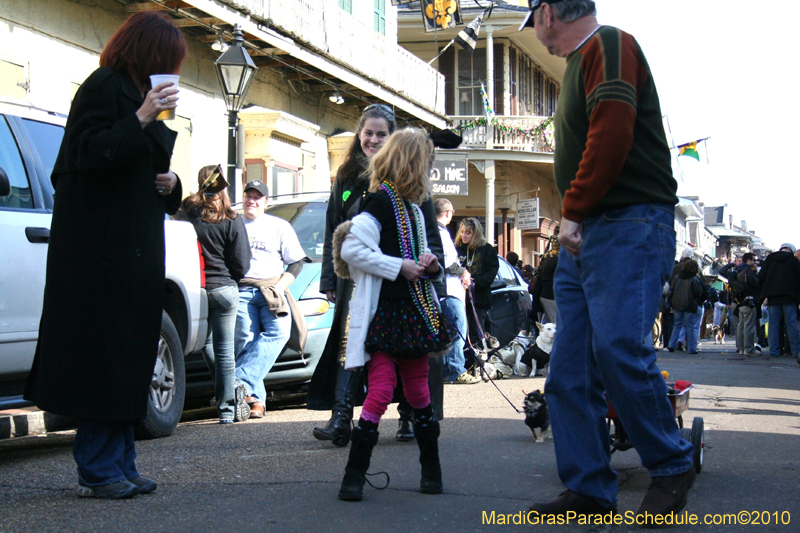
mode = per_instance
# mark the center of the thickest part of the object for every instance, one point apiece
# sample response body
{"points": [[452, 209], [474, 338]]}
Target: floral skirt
{"points": [[399, 330]]}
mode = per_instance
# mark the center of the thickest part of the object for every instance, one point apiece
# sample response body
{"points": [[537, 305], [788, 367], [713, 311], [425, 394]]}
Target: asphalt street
{"points": [[272, 475]]}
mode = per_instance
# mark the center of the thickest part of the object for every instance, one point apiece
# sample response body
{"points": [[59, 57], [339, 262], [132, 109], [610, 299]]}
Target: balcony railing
{"points": [[323, 26], [505, 132]]}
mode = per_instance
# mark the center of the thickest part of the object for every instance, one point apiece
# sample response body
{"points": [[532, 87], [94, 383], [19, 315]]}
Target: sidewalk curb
{"points": [[22, 423]]}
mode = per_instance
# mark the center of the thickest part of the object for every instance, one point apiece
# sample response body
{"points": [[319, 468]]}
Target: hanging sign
{"points": [[528, 214], [440, 14], [449, 174]]}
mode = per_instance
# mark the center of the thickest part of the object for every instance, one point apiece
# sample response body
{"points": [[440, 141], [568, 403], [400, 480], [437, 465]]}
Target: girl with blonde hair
{"points": [[394, 314]]}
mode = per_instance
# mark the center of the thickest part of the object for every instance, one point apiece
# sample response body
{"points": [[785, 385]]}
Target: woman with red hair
{"points": [[103, 300]]}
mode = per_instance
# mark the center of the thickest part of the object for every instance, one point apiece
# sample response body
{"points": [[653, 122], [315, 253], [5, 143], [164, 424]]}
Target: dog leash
{"points": [[477, 358]]}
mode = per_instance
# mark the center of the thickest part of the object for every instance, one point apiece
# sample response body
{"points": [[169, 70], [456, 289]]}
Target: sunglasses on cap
{"points": [[383, 107]]}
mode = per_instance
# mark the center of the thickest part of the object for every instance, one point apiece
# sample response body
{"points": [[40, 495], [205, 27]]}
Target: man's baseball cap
{"points": [[789, 246], [259, 186], [533, 5]]}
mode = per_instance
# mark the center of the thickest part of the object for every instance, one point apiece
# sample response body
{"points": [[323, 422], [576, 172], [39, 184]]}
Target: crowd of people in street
{"points": [[408, 297]]}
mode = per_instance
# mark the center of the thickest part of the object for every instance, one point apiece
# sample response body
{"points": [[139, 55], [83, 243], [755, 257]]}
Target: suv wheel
{"points": [[167, 388]]}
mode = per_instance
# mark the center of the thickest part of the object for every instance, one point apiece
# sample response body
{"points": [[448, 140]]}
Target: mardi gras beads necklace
{"points": [[410, 248]]}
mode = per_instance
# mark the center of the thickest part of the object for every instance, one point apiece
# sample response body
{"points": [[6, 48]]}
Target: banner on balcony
{"points": [[486, 105], [468, 37], [528, 214], [449, 175], [440, 14], [401, 2]]}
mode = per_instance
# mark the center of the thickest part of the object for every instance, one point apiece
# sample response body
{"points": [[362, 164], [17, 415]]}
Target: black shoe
{"points": [[364, 438], [671, 349], [337, 429], [144, 485], [569, 501], [680, 346], [667, 494], [426, 429], [405, 431]]}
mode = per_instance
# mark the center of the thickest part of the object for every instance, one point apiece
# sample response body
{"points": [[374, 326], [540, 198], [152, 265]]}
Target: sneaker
{"points": [[569, 501], [680, 346], [144, 485], [112, 491], [757, 348], [667, 494], [242, 411], [467, 379]]}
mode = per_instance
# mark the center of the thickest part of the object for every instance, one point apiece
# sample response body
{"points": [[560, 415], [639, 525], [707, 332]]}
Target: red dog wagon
{"points": [[679, 399]]}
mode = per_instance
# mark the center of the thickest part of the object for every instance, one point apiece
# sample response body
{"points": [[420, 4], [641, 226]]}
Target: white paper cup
{"points": [[158, 79]]}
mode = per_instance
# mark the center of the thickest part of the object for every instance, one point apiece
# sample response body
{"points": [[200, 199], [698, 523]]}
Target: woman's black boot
{"points": [[426, 429], [338, 427], [405, 430], [364, 438]]}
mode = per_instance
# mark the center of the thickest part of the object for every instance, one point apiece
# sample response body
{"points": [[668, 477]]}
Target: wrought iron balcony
{"points": [[531, 134]]}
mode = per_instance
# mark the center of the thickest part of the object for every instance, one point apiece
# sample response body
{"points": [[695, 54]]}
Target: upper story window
{"points": [[379, 16], [347, 5], [471, 73]]}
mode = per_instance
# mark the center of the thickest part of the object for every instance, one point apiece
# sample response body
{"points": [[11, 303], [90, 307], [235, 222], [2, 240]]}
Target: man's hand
{"points": [[570, 236], [330, 295]]}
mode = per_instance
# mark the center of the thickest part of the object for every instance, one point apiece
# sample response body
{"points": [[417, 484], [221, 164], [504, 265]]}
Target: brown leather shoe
{"points": [[666, 494], [257, 410], [251, 400]]}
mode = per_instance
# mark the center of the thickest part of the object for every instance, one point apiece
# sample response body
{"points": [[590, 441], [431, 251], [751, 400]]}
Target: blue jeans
{"points": [[104, 451], [454, 363], [788, 315], [260, 338], [685, 322], [223, 303], [607, 303]]}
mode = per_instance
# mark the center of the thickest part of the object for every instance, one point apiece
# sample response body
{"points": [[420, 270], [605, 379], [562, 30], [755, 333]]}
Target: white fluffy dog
{"points": [[535, 360]]}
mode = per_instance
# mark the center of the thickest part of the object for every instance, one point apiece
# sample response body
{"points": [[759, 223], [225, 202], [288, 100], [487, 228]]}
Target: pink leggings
{"points": [[383, 379]]}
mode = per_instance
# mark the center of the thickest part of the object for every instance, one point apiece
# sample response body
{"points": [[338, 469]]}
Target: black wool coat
{"points": [[99, 331]]}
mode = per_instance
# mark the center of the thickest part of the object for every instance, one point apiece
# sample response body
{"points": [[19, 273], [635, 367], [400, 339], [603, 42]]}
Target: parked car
{"points": [[29, 143]]}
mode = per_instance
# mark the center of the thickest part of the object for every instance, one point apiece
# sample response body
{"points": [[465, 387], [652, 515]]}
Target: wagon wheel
{"points": [[699, 442]]}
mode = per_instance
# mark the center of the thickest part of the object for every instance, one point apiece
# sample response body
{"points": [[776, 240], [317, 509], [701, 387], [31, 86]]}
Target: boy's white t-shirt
{"points": [[273, 244]]}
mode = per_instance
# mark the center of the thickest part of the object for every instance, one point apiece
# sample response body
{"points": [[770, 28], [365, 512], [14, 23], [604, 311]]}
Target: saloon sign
{"points": [[449, 174], [528, 214]]}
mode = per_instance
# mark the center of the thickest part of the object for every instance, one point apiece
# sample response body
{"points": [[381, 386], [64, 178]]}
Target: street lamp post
{"points": [[235, 71]]}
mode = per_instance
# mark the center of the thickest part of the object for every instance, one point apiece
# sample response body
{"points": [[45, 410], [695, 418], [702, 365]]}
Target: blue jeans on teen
{"points": [[104, 451], [685, 321], [607, 303], [786, 314], [223, 303], [260, 338], [454, 363]]}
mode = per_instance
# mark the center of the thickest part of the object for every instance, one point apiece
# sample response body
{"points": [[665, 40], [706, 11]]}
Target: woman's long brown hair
{"points": [[213, 207]]}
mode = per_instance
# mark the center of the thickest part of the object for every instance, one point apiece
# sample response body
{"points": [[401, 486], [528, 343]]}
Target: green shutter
{"points": [[347, 5], [379, 16]]}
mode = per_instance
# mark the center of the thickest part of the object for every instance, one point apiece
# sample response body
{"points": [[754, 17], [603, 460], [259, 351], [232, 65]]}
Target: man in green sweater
{"points": [[613, 172]]}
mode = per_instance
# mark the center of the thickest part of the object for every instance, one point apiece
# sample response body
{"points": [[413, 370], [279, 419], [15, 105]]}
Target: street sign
{"points": [[528, 214], [449, 174]]}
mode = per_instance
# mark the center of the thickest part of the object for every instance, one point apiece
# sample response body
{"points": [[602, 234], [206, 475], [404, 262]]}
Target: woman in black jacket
{"points": [[103, 301], [226, 253], [332, 387], [480, 258]]}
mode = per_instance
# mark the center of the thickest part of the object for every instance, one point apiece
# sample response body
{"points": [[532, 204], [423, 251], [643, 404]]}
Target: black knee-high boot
{"points": [[426, 429], [338, 427], [363, 439]]}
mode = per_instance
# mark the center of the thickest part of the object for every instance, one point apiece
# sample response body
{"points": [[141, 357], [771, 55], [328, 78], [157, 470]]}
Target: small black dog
{"points": [[537, 418]]}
